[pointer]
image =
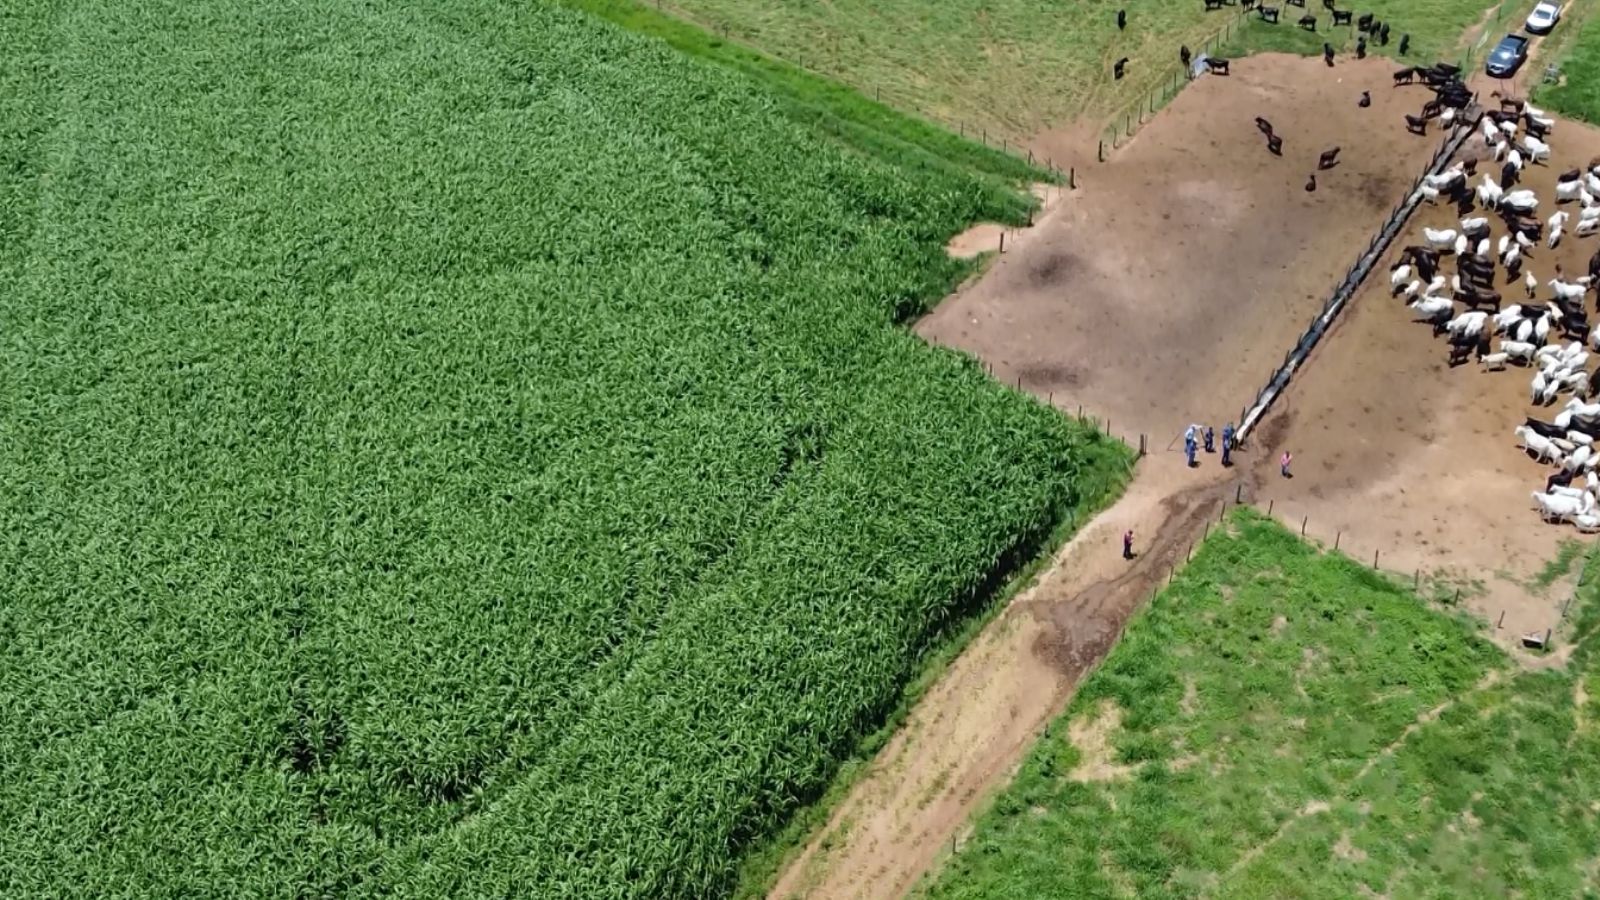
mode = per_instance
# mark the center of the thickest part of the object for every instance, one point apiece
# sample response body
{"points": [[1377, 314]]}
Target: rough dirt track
{"points": [[1164, 290]]}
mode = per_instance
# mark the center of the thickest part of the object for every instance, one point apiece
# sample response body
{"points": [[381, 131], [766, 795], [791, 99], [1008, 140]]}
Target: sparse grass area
{"points": [[1557, 568], [1006, 67], [1441, 30], [1294, 725], [1015, 67]]}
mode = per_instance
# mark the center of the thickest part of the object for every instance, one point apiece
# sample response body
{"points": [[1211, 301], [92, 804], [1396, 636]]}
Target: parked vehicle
{"points": [[1507, 56], [1543, 18]]}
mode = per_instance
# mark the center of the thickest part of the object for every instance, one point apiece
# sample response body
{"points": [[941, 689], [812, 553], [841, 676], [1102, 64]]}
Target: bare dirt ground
{"points": [[1417, 460], [1167, 287], [1163, 290]]}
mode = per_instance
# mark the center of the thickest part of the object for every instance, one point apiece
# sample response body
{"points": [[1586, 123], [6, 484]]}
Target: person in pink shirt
{"points": [[1283, 463]]}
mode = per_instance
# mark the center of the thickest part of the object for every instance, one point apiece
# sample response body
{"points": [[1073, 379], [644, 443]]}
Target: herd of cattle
{"points": [[1548, 335]]}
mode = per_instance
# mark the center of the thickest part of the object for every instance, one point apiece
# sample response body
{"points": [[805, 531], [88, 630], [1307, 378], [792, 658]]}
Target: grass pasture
{"points": [[461, 449], [1441, 30], [1575, 47], [1013, 68], [1286, 723]]}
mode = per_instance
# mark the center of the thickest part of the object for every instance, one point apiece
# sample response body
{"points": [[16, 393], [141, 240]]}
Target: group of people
{"points": [[1194, 434]]}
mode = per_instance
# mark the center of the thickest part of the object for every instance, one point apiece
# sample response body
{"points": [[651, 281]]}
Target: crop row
{"points": [[457, 448]]}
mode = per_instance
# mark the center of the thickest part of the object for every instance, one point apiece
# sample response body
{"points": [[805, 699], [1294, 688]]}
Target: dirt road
{"points": [[977, 723]]}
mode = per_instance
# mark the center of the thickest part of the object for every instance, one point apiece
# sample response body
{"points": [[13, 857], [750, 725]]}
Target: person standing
{"points": [[1211, 440], [1283, 463], [1127, 544], [1227, 444]]}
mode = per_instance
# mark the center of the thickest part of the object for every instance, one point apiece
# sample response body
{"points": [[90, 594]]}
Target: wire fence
{"points": [[1444, 591], [1129, 121], [1252, 413], [1490, 29], [1139, 443]]}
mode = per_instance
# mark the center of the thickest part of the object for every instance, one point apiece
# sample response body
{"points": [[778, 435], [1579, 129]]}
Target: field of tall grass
{"points": [[460, 448]]}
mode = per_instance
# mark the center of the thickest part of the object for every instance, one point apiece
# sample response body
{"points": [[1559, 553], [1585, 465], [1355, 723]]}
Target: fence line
{"points": [[1251, 414], [1090, 420], [1534, 640], [1132, 117]]}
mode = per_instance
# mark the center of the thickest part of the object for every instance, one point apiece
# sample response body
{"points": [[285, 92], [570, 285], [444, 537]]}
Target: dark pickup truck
{"points": [[1507, 55]]}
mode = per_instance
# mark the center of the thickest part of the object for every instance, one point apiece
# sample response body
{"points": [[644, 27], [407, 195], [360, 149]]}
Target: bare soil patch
{"points": [[1169, 284], [1094, 740]]}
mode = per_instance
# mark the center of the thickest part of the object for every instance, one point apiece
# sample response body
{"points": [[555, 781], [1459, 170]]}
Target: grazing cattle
{"points": [[1299, 3], [1431, 109], [1217, 66], [1417, 125], [1274, 145], [1544, 429], [1405, 43], [1366, 99], [1183, 56], [1365, 22], [1122, 19], [1247, 5], [1509, 174], [1309, 23], [1383, 35], [1118, 67], [1404, 76], [1361, 48], [1311, 183], [1327, 48], [1340, 16], [1263, 126], [1213, 4], [1268, 14], [1511, 105]]}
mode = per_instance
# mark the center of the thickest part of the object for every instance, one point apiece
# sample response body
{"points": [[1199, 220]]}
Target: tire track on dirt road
{"points": [[968, 734]]}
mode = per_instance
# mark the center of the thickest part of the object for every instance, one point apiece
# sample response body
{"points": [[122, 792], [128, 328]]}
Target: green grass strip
{"points": [[833, 108]]}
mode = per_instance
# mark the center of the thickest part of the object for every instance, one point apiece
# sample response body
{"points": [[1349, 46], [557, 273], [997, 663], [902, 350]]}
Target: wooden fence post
{"points": [[1303, 521]]}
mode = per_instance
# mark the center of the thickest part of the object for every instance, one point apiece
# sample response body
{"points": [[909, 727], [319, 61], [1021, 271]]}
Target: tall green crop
{"points": [[456, 448]]}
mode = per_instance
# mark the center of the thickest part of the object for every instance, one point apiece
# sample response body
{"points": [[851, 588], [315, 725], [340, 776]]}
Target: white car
{"points": [[1543, 18]]}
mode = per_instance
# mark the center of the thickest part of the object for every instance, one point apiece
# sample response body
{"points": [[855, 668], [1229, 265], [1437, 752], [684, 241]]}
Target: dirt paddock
{"points": [[1417, 460], [1167, 287]]}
